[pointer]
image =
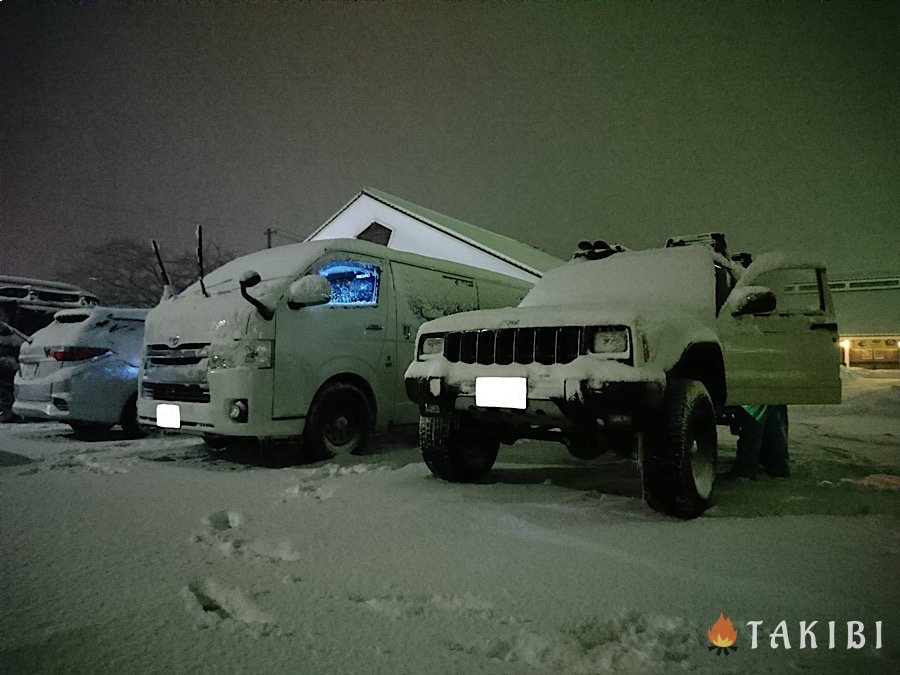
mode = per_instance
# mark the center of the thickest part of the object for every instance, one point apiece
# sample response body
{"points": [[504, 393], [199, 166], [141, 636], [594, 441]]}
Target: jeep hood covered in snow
{"points": [[680, 279]]}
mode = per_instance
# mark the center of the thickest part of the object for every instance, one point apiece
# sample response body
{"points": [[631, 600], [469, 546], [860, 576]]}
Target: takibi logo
{"points": [[722, 635]]}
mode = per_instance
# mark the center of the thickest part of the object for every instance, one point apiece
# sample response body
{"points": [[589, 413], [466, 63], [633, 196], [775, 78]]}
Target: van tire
{"points": [[339, 422], [456, 449], [678, 463], [214, 442], [129, 419], [89, 431]]}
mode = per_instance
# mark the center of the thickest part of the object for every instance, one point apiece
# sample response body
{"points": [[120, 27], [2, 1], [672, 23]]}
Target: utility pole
{"points": [[269, 232]]}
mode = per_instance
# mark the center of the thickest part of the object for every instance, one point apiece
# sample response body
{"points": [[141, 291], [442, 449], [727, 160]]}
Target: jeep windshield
{"points": [[678, 279]]}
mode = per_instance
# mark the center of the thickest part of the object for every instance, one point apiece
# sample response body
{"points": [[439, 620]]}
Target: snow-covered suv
{"points": [[638, 351]]}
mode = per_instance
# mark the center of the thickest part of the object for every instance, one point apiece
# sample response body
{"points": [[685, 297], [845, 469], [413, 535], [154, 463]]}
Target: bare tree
{"points": [[123, 272]]}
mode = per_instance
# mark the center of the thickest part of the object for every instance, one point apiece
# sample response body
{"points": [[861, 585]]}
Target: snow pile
{"points": [[635, 643], [155, 556]]}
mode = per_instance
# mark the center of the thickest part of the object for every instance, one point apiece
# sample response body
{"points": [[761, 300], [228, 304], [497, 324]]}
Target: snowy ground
{"points": [[152, 556]]}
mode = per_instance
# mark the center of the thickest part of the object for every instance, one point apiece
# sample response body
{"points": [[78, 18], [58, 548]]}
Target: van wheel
{"points": [[339, 421], [214, 442], [89, 431], [678, 464], [455, 449], [129, 419]]}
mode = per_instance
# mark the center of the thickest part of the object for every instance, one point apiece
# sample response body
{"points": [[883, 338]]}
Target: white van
{"points": [[306, 340], [83, 369]]}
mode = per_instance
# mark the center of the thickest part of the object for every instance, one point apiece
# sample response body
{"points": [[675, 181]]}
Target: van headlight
{"points": [[259, 353], [431, 345], [253, 353], [611, 340]]}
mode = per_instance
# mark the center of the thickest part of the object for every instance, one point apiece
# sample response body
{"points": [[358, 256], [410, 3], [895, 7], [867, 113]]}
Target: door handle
{"points": [[374, 326], [824, 326]]}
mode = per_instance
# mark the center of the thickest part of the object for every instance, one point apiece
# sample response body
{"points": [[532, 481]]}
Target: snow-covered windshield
{"points": [[275, 267], [680, 278]]}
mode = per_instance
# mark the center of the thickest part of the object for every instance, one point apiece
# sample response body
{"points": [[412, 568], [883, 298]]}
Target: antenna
{"points": [[162, 267], [200, 259], [168, 292]]}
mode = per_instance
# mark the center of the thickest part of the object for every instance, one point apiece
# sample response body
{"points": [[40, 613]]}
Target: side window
{"points": [[797, 291], [428, 294], [353, 283]]}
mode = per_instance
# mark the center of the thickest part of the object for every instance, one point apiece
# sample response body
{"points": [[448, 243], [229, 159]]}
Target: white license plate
{"points": [[29, 370], [501, 392], [168, 416]]}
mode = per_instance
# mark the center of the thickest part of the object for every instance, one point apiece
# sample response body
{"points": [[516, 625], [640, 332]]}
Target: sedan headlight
{"points": [[610, 340], [431, 344]]}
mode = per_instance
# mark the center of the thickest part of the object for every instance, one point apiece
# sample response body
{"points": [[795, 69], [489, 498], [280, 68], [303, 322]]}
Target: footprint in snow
{"points": [[221, 531], [213, 604]]}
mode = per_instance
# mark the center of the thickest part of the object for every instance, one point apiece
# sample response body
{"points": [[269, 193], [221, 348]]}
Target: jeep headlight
{"points": [[431, 345], [610, 340]]}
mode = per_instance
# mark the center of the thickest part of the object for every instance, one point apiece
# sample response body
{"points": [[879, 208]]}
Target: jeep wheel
{"points": [[339, 422], [456, 449], [678, 466]]}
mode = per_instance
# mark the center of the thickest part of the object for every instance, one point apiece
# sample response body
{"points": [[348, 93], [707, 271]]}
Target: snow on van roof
{"points": [[282, 262], [291, 259], [126, 313], [680, 278], [500, 246]]}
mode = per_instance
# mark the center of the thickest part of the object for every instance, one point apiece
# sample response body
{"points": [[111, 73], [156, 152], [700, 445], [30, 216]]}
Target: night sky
{"points": [[774, 123]]}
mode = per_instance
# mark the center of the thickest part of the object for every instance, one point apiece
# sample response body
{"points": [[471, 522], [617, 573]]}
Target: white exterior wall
{"points": [[413, 236]]}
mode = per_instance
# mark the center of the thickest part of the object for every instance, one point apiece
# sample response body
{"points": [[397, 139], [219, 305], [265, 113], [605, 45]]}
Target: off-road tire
{"points": [[340, 422], [89, 431], [129, 419], [582, 445], [678, 463], [455, 449]]}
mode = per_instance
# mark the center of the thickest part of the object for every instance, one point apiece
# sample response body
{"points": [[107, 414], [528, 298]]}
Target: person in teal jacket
{"points": [[762, 440]]}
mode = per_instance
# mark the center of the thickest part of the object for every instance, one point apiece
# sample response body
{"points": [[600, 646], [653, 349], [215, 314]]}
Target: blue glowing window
{"points": [[352, 282]]}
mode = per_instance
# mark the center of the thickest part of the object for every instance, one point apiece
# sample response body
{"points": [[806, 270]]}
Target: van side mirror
{"points": [[249, 279], [752, 300], [308, 291]]}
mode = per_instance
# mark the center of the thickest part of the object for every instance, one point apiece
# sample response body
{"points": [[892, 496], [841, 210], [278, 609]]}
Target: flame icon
{"points": [[722, 635]]}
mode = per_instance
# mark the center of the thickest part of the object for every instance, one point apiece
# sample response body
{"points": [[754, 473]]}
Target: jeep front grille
{"points": [[545, 345]]}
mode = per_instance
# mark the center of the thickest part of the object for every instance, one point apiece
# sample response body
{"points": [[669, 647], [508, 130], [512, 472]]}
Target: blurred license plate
{"points": [[501, 392], [29, 369], [168, 416]]}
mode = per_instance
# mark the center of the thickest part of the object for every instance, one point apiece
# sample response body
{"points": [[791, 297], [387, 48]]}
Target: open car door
{"points": [[789, 355]]}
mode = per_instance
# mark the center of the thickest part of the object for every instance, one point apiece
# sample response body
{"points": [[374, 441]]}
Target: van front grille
{"points": [[545, 345], [187, 393], [183, 355]]}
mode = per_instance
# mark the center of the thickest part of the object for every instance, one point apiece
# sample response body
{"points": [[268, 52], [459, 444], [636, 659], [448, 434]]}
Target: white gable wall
{"points": [[413, 236]]}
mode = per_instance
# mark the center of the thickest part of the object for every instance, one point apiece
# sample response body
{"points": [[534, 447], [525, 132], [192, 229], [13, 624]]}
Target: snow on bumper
{"points": [[587, 385], [251, 386], [95, 391]]}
